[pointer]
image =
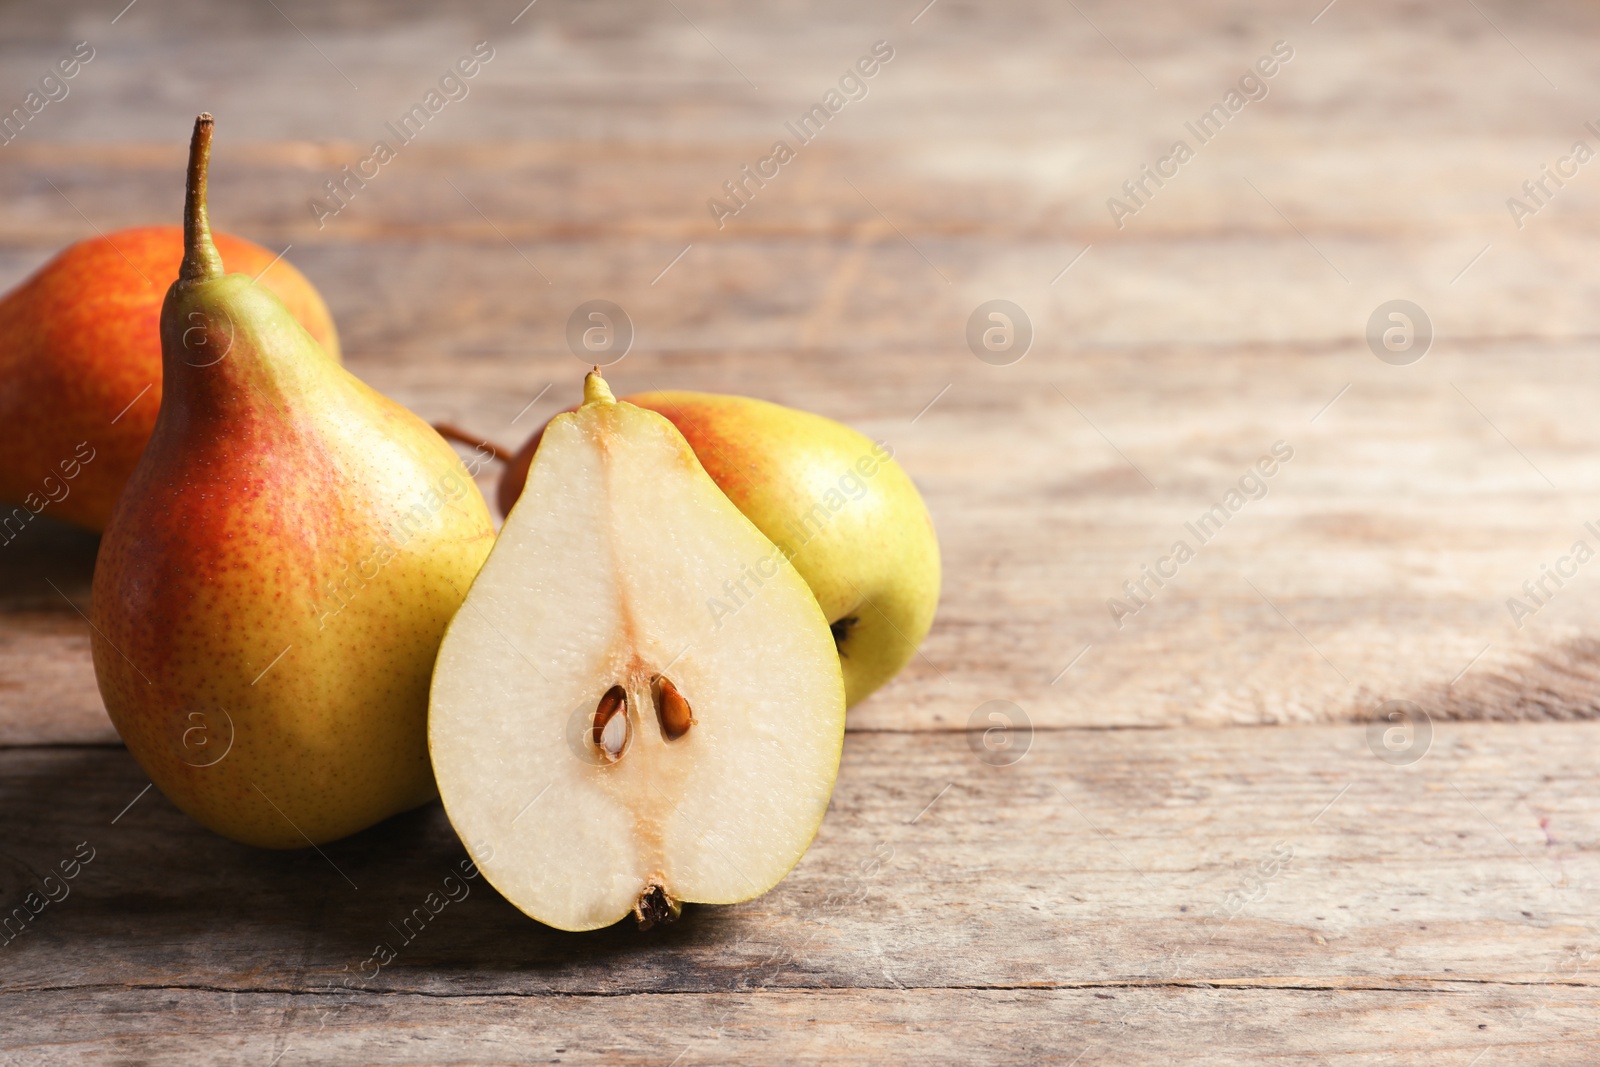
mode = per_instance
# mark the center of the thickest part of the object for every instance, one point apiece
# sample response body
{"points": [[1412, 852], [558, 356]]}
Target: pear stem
{"points": [[595, 389], [451, 432], [200, 259]]}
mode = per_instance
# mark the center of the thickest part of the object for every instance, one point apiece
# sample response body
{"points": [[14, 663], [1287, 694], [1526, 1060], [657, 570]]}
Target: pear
{"points": [[274, 583], [80, 367], [841, 509], [605, 740]]}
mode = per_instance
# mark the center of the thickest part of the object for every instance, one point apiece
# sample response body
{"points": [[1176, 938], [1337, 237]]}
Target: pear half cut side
{"points": [[639, 702]]}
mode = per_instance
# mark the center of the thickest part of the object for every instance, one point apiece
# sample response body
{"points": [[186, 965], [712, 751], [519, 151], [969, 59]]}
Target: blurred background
{"points": [[1175, 337]]}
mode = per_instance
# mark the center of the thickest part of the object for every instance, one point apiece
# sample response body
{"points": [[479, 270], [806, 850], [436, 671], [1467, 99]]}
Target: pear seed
{"points": [[674, 712], [611, 723]]}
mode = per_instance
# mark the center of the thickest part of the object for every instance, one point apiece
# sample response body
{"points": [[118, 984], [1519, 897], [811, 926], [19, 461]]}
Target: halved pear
{"points": [[640, 702]]}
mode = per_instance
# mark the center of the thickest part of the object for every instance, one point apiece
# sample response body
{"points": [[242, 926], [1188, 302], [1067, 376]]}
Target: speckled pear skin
{"points": [[837, 504], [272, 589], [80, 364]]}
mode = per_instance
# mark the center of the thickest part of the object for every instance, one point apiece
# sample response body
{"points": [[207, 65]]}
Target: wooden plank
{"points": [[1382, 557], [47, 687], [1206, 876], [1200, 1027]]}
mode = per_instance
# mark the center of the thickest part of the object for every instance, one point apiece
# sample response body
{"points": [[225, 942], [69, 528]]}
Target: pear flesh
{"points": [[605, 739]]}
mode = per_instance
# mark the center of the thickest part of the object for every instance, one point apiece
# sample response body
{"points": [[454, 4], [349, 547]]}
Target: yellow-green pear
{"points": [[838, 506], [275, 580]]}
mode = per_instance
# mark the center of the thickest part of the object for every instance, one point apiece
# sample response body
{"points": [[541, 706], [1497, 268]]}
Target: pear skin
{"points": [[844, 512], [80, 366], [272, 589]]}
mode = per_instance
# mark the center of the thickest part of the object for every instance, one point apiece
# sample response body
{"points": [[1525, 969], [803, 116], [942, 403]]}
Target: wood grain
{"points": [[1245, 881], [1128, 1026]]}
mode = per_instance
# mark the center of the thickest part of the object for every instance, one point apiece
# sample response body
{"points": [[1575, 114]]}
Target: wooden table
{"points": [[1205, 853]]}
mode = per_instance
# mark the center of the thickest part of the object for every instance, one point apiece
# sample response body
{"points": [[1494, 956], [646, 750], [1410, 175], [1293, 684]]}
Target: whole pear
{"points": [[271, 592], [834, 502], [80, 366]]}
